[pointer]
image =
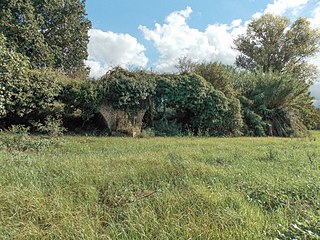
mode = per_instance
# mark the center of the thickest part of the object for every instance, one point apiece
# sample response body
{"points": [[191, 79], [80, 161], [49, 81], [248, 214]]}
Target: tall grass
{"points": [[163, 188]]}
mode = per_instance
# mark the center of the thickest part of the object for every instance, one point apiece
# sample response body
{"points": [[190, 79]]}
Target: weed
{"points": [[270, 155], [19, 139]]}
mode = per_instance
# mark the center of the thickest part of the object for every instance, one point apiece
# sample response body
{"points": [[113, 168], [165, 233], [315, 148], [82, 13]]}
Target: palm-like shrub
{"points": [[279, 101]]}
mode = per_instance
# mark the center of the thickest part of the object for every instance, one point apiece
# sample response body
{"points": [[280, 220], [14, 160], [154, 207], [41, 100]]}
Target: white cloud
{"points": [[315, 20], [236, 22], [315, 92], [175, 39], [107, 49], [279, 7], [96, 68]]}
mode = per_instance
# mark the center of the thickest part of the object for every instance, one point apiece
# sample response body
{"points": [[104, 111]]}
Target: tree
{"points": [[218, 75], [65, 29], [271, 43], [20, 25], [50, 33], [185, 65]]}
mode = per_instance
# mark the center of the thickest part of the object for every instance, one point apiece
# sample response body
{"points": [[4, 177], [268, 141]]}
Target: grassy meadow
{"points": [[163, 188]]}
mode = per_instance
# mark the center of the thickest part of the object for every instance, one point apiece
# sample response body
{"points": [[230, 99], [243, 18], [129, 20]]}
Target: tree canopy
{"points": [[272, 43], [50, 33]]}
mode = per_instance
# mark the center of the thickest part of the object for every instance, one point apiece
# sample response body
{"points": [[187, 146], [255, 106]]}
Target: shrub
{"points": [[81, 99], [30, 95], [13, 71], [253, 123], [128, 90], [218, 75], [19, 139], [51, 127], [275, 102], [198, 105]]}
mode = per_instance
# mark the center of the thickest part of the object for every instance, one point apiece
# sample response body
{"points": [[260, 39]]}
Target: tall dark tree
{"points": [[20, 25], [51, 33], [65, 29], [272, 43]]}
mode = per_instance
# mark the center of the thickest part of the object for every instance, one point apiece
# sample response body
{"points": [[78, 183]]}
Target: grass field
{"points": [[163, 188]]}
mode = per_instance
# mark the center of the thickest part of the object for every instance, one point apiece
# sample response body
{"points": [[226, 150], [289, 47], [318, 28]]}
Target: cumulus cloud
{"points": [[279, 7], [315, 92], [107, 49], [175, 39], [315, 20], [97, 69]]}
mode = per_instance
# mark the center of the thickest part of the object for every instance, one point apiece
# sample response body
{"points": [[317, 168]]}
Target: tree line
{"points": [[43, 79]]}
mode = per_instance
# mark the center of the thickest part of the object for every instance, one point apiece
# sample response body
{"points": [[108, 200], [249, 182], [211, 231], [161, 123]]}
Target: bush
{"points": [[37, 95], [218, 75], [19, 139], [199, 107], [51, 127], [128, 90], [40, 95], [31, 95], [81, 99], [276, 103], [253, 123], [13, 71]]}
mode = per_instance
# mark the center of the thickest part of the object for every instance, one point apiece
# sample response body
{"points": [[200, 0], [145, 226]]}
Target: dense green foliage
{"points": [[193, 103], [274, 104], [28, 94], [65, 29], [33, 97], [80, 99], [12, 68], [50, 33], [271, 43], [126, 90], [275, 97], [198, 105], [163, 188], [220, 76], [19, 22]]}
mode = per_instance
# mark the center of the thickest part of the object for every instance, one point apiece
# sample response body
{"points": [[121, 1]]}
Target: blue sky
{"points": [[125, 16], [154, 34]]}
